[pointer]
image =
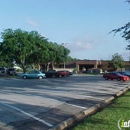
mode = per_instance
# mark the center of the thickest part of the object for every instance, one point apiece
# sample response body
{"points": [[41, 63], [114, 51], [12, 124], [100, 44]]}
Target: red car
{"points": [[115, 75], [63, 73]]}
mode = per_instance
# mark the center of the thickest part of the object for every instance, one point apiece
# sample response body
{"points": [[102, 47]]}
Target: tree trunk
{"points": [[24, 68], [48, 66], [39, 67], [52, 65], [33, 66], [23, 63]]}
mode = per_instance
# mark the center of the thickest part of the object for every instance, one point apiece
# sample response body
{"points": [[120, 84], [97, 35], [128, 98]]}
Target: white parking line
{"points": [[93, 97], [64, 102], [76, 106], [28, 114]]}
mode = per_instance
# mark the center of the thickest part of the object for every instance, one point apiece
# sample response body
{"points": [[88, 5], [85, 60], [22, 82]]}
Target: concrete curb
{"points": [[75, 118], [91, 110], [122, 92], [108, 100]]}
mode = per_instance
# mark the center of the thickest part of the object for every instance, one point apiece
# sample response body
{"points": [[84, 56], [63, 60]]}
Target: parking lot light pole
{"points": [[64, 63], [64, 44]]}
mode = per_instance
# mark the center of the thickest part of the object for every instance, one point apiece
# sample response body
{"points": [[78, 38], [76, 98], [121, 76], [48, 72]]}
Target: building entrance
{"points": [[86, 67]]}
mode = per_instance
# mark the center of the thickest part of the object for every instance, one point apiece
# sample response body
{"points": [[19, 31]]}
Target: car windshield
{"points": [[34, 72], [52, 70], [118, 74], [127, 72], [12, 69]]}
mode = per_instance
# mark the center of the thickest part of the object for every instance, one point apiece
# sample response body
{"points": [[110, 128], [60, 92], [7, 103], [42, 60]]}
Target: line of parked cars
{"points": [[123, 75], [41, 74]]}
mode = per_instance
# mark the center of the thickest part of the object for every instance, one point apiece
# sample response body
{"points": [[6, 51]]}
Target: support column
{"points": [[77, 66], [95, 65]]}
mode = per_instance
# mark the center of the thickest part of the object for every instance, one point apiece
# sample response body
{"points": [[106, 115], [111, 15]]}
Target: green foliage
{"points": [[17, 45], [19, 70], [107, 119], [26, 48], [116, 61], [125, 31], [75, 69], [69, 58]]}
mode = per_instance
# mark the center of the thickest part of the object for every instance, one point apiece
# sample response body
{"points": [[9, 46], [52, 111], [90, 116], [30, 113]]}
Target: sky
{"points": [[83, 24]]}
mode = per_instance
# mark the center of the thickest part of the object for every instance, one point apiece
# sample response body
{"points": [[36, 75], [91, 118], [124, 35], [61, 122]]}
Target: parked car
{"points": [[52, 73], [69, 73], [32, 74], [2, 70], [11, 71], [126, 73], [115, 75], [63, 73]]}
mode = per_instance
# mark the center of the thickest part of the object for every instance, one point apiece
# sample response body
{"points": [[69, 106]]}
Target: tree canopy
{"points": [[125, 31], [30, 48], [116, 61]]}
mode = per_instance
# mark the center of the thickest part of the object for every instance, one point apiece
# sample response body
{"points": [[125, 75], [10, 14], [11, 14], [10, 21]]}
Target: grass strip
{"points": [[107, 119]]}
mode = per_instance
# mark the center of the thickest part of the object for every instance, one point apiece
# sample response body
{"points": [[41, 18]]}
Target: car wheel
{"points": [[118, 79], [24, 77], [9, 73], [60, 76], [40, 77], [106, 78]]}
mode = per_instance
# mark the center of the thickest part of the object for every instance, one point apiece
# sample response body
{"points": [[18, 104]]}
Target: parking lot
{"points": [[42, 104]]}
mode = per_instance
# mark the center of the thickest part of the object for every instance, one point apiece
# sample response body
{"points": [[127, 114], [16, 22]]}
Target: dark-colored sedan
{"points": [[11, 71], [2, 70]]}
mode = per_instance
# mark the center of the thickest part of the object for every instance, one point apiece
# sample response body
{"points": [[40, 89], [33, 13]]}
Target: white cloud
{"points": [[80, 44], [31, 22], [125, 55]]}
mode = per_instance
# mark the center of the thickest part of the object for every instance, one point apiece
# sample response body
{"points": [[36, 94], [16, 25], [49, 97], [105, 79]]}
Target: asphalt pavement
{"points": [[43, 104]]}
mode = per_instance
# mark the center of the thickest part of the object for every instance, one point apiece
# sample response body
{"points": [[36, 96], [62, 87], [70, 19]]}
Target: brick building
{"points": [[87, 64]]}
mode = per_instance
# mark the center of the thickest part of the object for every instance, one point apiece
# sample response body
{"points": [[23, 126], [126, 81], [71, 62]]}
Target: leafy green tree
{"points": [[17, 46], [1, 56], [40, 50], [57, 54], [62, 54], [66, 53], [116, 61], [53, 52], [125, 31], [30, 48]]}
